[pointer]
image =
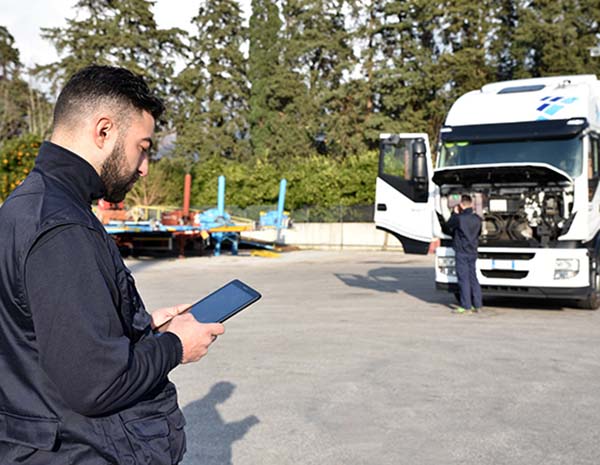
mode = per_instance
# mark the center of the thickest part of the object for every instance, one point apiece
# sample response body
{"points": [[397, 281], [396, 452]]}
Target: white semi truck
{"points": [[528, 152]]}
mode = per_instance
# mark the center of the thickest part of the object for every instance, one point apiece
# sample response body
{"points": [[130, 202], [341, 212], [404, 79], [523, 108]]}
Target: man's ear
{"points": [[105, 133]]}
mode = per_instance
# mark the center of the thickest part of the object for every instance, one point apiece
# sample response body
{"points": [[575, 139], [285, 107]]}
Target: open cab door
{"points": [[404, 192]]}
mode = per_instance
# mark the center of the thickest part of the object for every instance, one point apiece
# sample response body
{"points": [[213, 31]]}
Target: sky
{"points": [[24, 18]]}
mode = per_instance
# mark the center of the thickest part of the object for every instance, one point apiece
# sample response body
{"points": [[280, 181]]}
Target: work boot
{"points": [[460, 310]]}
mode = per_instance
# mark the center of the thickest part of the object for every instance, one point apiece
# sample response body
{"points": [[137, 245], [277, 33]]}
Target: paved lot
{"points": [[353, 358]]}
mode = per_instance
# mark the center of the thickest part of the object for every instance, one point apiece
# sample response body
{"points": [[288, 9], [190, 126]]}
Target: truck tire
{"points": [[592, 302]]}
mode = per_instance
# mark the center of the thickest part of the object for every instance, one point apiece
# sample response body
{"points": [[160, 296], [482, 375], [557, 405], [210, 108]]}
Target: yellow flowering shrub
{"points": [[17, 157]]}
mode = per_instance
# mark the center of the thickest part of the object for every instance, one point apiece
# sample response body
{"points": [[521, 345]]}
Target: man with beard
{"points": [[84, 367]]}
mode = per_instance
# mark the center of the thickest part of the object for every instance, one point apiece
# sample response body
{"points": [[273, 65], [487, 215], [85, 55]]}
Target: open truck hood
{"points": [[510, 173]]}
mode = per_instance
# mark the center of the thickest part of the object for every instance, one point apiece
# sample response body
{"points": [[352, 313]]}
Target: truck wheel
{"points": [[592, 302]]}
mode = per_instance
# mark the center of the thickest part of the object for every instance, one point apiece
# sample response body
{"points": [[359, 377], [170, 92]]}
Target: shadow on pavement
{"points": [[416, 281], [137, 265], [420, 283], [209, 437], [524, 303]]}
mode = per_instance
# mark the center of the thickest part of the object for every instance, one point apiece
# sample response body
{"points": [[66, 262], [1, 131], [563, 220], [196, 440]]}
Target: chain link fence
{"points": [[312, 214]]}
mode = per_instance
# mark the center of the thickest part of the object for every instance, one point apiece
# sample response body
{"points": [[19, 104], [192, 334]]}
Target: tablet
{"points": [[225, 302]]}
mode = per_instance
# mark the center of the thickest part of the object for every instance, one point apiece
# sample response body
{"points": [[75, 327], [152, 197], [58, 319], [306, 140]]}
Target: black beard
{"points": [[116, 184]]}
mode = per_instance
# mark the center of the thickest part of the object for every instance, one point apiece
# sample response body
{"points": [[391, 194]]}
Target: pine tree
{"points": [[278, 103], [405, 74], [347, 105], [22, 109], [467, 32], [13, 109], [554, 37], [502, 44], [465, 63], [318, 50], [264, 65], [114, 32], [369, 17], [9, 55], [214, 88]]}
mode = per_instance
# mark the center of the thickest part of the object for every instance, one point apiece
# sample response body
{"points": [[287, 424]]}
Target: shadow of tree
{"points": [[209, 438]]}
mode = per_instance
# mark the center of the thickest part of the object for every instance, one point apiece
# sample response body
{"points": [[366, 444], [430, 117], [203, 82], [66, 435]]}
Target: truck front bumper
{"points": [[511, 271], [528, 292]]}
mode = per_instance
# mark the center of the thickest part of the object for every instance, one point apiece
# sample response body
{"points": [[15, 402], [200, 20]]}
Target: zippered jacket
{"points": [[466, 228], [83, 376]]}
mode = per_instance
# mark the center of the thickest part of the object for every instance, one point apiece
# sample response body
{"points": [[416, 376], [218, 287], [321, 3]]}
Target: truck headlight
{"points": [[446, 265], [565, 268]]}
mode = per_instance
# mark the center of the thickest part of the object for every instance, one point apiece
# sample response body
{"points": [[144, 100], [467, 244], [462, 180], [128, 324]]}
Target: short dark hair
{"points": [[466, 198], [95, 84]]}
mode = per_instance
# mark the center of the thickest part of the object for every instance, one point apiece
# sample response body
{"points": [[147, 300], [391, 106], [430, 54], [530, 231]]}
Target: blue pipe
{"points": [[281, 202], [221, 197]]}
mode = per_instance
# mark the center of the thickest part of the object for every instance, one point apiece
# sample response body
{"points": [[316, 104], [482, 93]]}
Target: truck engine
{"points": [[535, 216]]}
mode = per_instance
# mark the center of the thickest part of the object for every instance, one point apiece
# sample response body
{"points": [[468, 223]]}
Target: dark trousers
{"points": [[470, 291]]}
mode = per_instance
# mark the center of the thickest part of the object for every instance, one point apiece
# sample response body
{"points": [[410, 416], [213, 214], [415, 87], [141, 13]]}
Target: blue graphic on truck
{"points": [[552, 105]]}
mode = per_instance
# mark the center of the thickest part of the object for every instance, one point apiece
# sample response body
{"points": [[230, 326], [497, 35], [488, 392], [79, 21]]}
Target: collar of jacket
{"points": [[468, 210], [71, 171]]}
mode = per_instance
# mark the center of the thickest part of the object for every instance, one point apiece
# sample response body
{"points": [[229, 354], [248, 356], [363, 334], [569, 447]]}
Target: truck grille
{"points": [[505, 274], [507, 255]]}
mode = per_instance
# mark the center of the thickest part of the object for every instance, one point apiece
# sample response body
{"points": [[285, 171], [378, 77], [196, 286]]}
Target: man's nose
{"points": [[143, 168]]}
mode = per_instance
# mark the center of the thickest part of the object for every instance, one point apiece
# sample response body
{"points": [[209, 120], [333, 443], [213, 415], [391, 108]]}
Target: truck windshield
{"points": [[565, 154]]}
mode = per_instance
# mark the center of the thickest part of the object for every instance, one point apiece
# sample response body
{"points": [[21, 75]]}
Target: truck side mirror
{"points": [[419, 169]]}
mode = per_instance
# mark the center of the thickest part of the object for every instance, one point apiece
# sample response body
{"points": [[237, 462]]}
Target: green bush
{"points": [[162, 186], [316, 180]]}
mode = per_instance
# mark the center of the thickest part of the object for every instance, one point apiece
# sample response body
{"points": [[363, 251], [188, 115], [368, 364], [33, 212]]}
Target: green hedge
{"points": [[316, 180], [312, 181]]}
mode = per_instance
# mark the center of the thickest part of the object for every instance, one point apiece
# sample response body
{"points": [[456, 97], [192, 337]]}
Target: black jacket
{"points": [[465, 228], [84, 378]]}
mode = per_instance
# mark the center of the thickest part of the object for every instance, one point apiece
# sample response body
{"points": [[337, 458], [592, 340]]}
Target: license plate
{"points": [[503, 264]]}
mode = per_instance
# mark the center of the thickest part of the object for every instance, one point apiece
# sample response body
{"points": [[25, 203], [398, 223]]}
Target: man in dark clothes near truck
{"points": [[465, 227], [84, 368]]}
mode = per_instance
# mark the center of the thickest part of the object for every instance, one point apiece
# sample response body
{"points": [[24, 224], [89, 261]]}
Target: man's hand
{"points": [[195, 337], [457, 209], [163, 315]]}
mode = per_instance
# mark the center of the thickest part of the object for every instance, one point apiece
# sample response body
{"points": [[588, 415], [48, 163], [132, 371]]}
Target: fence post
{"points": [[341, 220]]}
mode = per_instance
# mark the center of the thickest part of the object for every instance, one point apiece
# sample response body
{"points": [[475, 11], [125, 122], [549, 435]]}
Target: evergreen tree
{"points": [[318, 51], [9, 55], [114, 32], [22, 109], [13, 91], [213, 117], [467, 32], [404, 66], [278, 103], [264, 66], [369, 17], [502, 43], [554, 37], [465, 63]]}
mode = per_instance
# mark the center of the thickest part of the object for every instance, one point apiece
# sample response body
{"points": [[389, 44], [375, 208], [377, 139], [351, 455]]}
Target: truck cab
{"points": [[527, 151]]}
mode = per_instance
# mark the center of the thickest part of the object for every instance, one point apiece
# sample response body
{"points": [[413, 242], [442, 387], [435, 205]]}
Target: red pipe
{"points": [[187, 190]]}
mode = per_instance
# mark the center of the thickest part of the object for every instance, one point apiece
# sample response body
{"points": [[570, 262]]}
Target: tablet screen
{"points": [[224, 302]]}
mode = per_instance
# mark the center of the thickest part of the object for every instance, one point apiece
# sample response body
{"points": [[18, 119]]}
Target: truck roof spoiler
{"points": [[528, 130]]}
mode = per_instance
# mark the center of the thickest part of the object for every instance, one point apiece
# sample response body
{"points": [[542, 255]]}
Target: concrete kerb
{"points": [[328, 236]]}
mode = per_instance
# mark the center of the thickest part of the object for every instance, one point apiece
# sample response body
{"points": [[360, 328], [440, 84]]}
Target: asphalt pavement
{"points": [[353, 358]]}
